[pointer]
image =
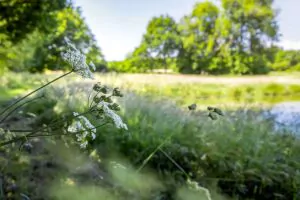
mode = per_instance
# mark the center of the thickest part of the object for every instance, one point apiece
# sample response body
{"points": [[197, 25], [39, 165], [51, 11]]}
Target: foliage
{"points": [[38, 50], [240, 153], [161, 40], [255, 161], [286, 60], [36, 15], [207, 91], [230, 39], [45, 120], [199, 42]]}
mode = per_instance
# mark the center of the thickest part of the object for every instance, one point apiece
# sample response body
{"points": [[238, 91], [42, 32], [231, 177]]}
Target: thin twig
{"points": [[50, 125], [175, 163], [16, 139], [150, 156]]}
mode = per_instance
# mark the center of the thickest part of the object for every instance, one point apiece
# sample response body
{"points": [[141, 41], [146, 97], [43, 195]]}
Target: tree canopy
{"points": [[34, 32], [233, 38]]}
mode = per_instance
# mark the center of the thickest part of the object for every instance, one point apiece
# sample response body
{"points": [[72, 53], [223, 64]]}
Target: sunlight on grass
{"points": [[185, 90], [238, 153]]}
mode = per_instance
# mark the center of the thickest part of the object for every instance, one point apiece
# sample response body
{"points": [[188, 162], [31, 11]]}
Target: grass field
{"points": [[210, 90], [238, 156]]}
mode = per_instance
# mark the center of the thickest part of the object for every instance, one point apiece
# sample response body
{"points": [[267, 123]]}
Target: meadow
{"points": [[237, 156], [224, 91]]}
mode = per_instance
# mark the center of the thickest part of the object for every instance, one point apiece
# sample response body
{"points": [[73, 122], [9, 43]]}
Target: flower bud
{"points": [[97, 99], [117, 92], [215, 110], [218, 111], [192, 107], [114, 107], [212, 116], [108, 100], [210, 108], [97, 87], [104, 90]]}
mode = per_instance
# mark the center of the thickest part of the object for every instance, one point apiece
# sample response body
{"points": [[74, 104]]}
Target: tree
{"points": [[19, 18], [232, 39], [199, 39], [284, 60], [41, 50], [161, 41], [71, 25], [252, 26]]}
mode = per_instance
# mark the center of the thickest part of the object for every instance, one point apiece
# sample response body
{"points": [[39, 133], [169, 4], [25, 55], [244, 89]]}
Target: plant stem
{"points": [[150, 156], [50, 125], [20, 99], [32, 134], [175, 163], [1, 121]]}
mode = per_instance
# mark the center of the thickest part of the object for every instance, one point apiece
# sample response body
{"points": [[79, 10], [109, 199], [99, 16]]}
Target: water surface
{"points": [[287, 116]]}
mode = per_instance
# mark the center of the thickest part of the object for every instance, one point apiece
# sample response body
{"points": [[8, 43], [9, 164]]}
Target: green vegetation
{"points": [[178, 137], [207, 91], [36, 159], [237, 155], [44, 36], [230, 39], [13, 84], [226, 39]]}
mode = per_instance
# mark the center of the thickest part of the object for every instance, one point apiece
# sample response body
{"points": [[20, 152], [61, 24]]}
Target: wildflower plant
{"points": [[78, 62], [77, 125], [100, 107]]}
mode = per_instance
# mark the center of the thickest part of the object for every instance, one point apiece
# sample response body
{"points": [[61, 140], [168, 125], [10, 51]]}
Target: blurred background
{"points": [[209, 37]]}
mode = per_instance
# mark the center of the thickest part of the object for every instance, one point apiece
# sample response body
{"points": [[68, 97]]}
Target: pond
{"points": [[287, 116]]}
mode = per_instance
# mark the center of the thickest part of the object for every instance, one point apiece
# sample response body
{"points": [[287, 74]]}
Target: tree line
{"points": [[235, 37]]}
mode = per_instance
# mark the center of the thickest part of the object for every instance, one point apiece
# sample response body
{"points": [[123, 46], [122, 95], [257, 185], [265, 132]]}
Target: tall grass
{"points": [[239, 155]]}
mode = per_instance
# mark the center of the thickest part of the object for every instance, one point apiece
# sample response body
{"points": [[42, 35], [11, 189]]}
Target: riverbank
{"points": [[222, 91], [238, 155]]}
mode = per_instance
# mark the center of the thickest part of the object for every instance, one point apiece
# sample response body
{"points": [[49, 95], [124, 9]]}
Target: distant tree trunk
{"points": [[165, 64]]}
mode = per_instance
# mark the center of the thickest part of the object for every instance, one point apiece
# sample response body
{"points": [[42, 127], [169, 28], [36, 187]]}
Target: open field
{"points": [[210, 90], [201, 79]]}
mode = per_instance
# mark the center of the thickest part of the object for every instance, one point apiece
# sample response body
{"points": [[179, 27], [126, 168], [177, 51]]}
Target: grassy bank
{"points": [[220, 91], [237, 156], [14, 84], [182, 89]]}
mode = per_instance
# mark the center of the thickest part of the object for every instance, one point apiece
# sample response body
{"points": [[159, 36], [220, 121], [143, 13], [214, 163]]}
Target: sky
{"points": [[118, 25]]}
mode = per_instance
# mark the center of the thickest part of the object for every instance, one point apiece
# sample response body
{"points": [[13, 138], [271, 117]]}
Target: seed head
{"points": [[216, 110], [114, 107], [97, 87], [192, 107], [212, 116], [104, 89], [117, 92]]}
